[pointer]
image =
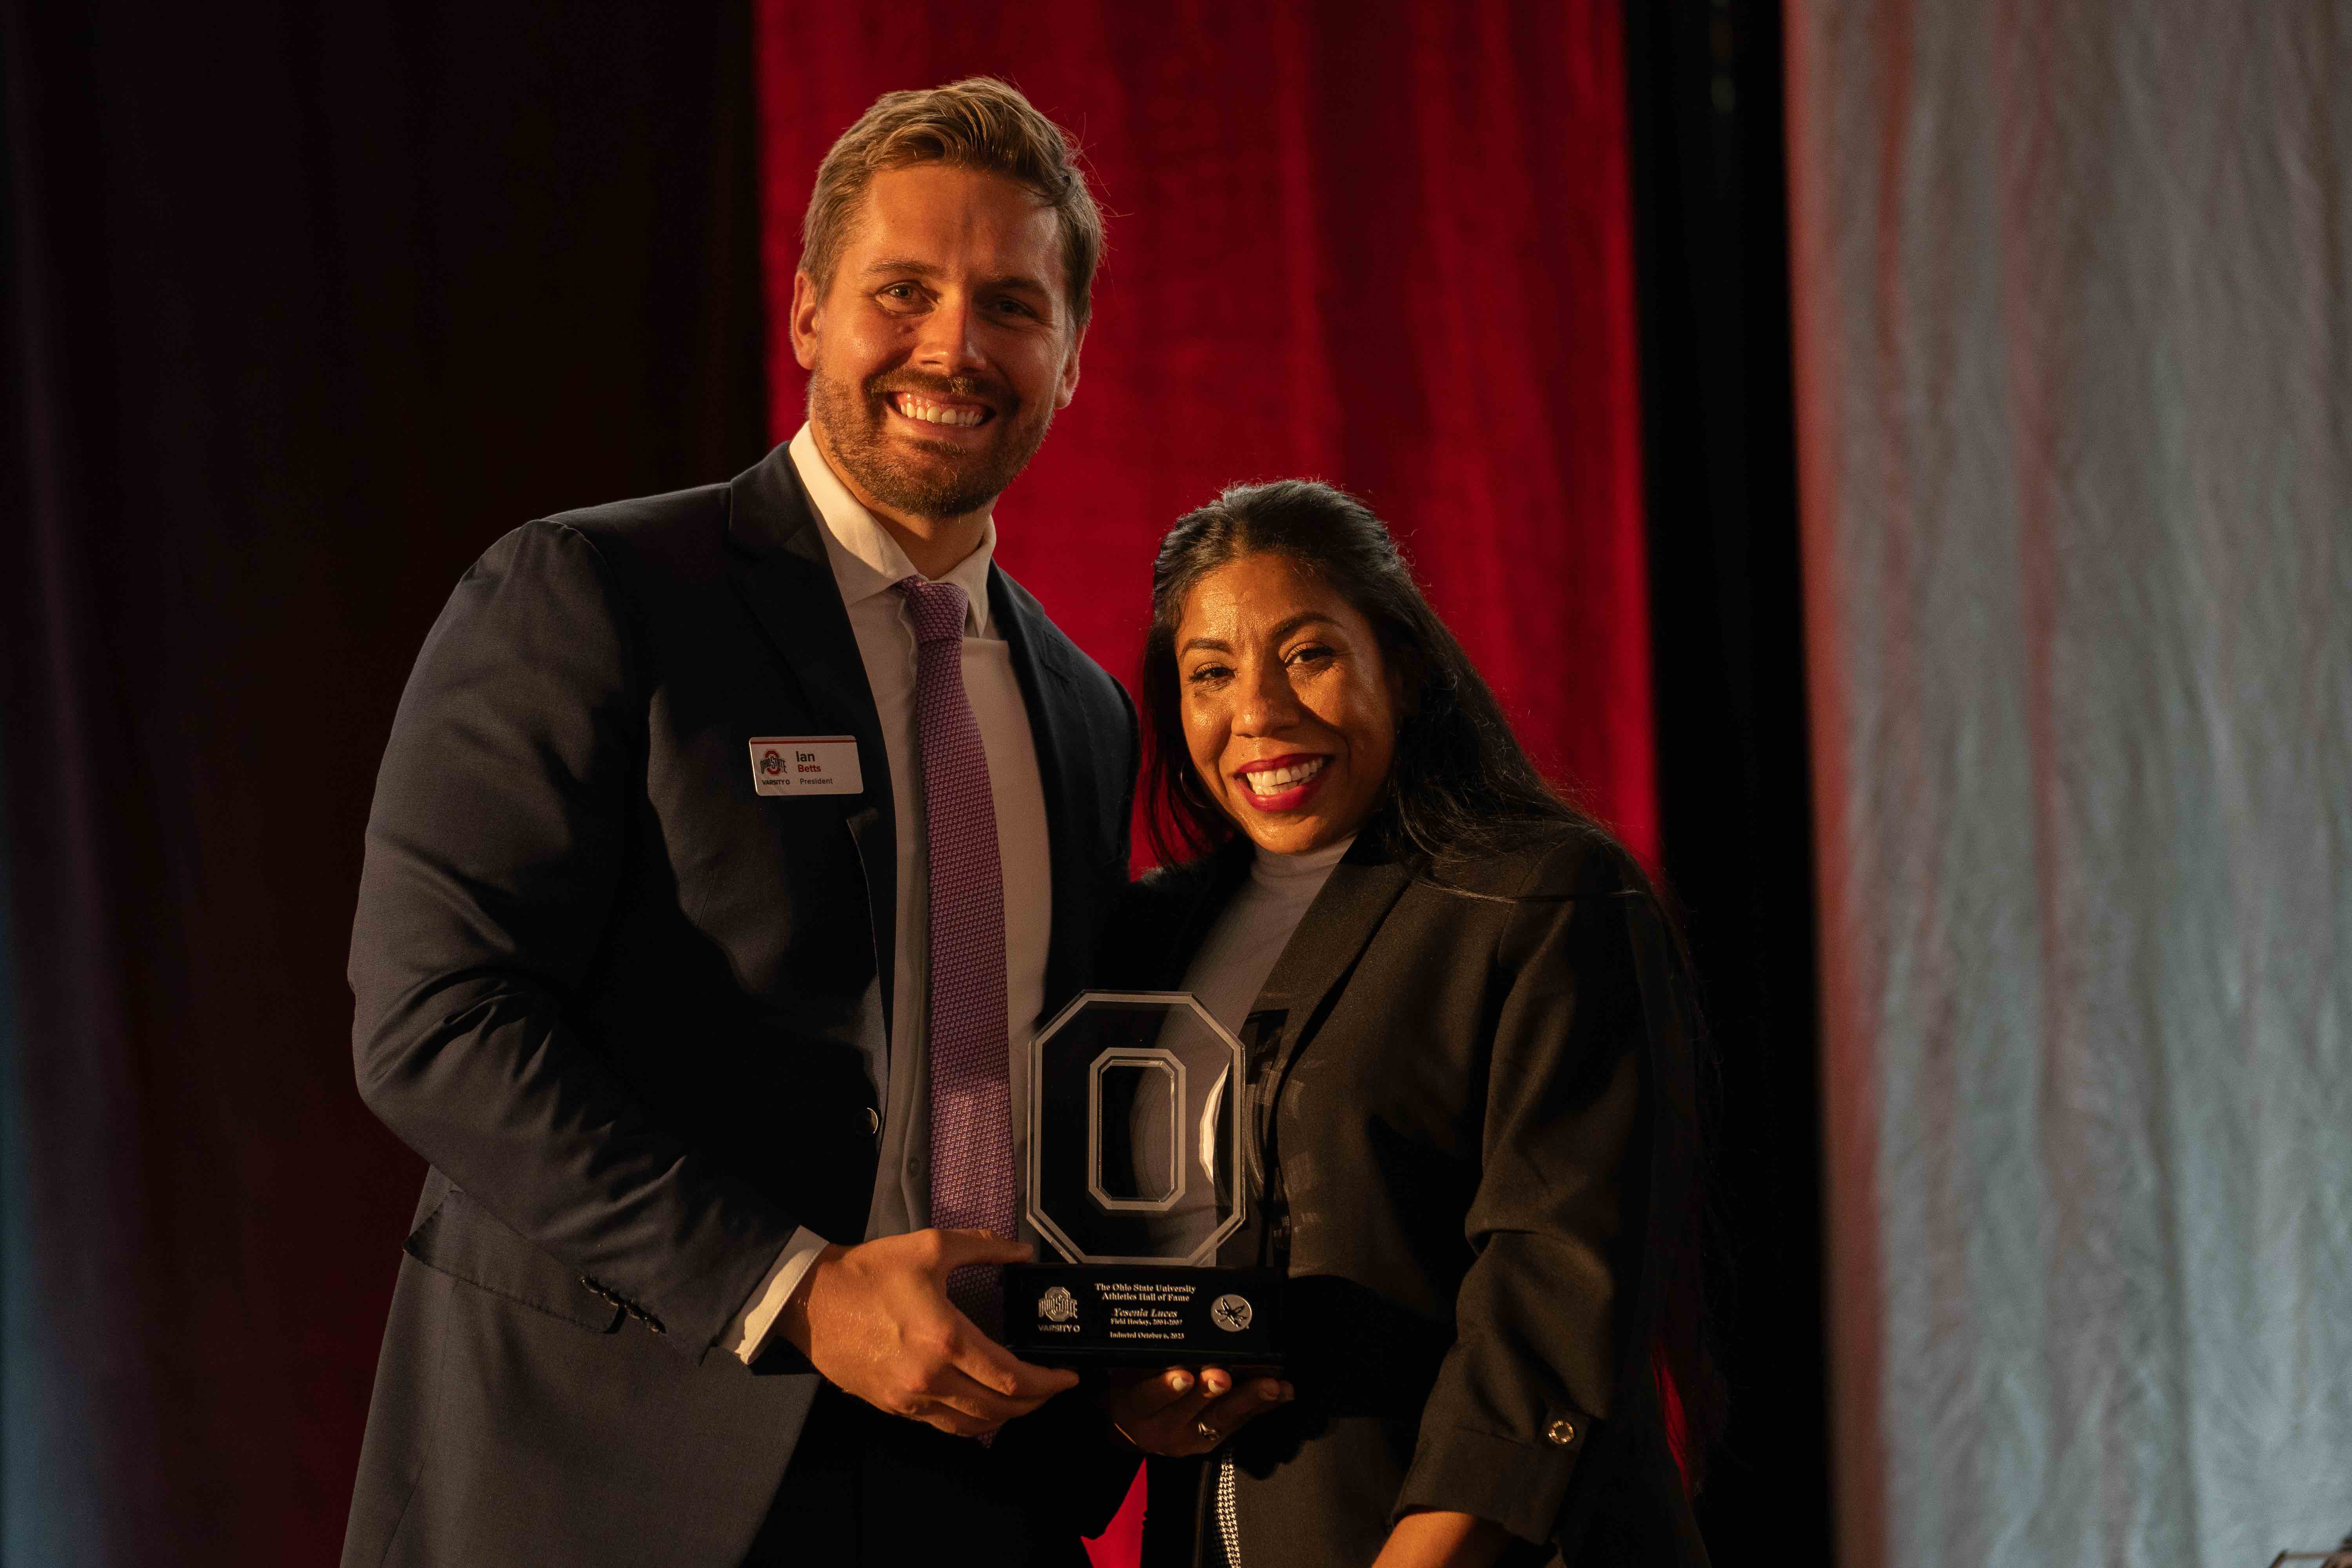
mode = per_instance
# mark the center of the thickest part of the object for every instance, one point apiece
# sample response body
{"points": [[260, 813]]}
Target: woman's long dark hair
{"points": [[1461, 785]]}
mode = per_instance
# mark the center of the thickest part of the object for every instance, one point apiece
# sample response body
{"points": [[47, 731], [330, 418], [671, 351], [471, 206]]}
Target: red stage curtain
{"points": [[1386, 244]]}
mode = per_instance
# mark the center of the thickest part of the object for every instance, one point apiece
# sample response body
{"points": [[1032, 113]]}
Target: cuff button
{"points": [[1560, 1433]]}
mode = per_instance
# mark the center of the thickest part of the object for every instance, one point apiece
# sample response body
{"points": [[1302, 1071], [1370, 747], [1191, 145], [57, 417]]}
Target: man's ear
{"points": [[806, 300], [1068, 387]]}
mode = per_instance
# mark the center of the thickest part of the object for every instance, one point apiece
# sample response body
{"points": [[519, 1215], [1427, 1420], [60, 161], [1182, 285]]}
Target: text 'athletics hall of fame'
{"points": [[1135, 1178]]}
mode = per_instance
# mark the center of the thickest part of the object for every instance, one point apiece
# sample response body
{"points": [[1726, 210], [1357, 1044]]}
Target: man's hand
{"points": [[1178, 1414], [876, 1321]]}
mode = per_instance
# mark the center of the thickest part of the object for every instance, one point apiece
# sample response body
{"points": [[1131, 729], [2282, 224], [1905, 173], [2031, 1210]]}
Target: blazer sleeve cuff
{"points": [[1518, 1483]]}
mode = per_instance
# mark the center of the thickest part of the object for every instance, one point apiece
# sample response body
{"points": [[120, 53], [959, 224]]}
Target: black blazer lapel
{"points": [[1330, 937], [779, 567], [1057, 729], [1315, 964]]}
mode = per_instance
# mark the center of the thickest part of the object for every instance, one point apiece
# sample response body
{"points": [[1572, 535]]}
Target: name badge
{"points": [[805, 765]]}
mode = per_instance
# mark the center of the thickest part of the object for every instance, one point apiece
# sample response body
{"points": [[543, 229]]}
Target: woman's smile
{"points": [[1281, 784]]}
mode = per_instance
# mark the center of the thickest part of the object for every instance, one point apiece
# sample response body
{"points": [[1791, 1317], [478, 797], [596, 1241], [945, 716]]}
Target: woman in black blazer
{"points": [[1469, 1041]]}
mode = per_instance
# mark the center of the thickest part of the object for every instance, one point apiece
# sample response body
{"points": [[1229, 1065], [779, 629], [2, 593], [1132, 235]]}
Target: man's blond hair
{"points": [[978, 123]]}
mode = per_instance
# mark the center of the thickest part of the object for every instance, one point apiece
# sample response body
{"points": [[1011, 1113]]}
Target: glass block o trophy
{"points": [[1135, 1143]]}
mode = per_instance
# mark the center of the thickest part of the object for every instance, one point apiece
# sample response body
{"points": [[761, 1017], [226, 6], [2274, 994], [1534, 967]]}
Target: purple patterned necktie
{"points": [[971, 1097]]}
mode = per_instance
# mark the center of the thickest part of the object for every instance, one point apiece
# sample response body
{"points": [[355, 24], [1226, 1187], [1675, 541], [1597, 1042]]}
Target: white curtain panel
{"points": [[2075, 375]]}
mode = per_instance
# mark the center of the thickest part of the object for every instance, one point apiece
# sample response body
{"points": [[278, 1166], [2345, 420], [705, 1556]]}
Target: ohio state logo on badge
{"points": [[805, 765], [1057, 1306]]}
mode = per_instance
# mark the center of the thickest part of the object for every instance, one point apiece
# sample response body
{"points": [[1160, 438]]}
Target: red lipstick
{"points": [[1292, 795]]}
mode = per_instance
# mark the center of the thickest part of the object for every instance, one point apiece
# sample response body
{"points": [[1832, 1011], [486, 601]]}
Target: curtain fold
{"points": [[2075, 367], [1385, 245], [300, 309]]}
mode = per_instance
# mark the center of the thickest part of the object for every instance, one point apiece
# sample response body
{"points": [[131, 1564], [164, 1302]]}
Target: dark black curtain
{"points": [[1735, 794], [305, 306]]}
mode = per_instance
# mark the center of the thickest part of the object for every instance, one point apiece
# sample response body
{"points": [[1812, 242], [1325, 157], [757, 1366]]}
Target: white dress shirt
{"points": [[866, 563]]}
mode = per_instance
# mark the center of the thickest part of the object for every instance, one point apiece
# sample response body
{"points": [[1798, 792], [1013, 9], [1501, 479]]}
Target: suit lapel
{"points": [[779, 566], [1313, 966], [1056, 728], [1330, 937]]}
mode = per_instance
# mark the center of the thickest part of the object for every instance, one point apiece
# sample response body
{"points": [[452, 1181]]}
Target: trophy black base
{"points": [[1118, 1314]]}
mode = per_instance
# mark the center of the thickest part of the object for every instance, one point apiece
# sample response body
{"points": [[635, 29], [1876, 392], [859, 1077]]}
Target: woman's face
{"points": [[1289, 713]]}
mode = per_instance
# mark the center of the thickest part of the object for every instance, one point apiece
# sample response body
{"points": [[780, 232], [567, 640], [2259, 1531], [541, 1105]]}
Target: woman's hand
{"points": [[1178, 1414]]}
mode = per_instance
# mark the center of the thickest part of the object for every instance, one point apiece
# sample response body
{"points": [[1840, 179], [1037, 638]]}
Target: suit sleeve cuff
{"points": [[747, 1336], [1518, 1484]]}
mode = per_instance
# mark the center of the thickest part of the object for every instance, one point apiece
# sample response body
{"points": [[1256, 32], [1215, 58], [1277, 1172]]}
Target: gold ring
{"points": [[1208, 1433]]}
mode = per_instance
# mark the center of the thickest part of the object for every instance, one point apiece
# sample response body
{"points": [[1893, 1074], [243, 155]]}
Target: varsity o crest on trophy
{"points": [[1136, 1177]]}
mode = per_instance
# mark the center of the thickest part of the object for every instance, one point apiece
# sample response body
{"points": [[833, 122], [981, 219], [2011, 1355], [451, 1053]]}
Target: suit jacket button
{"points": [[873, 1122], [1560, 1433]]}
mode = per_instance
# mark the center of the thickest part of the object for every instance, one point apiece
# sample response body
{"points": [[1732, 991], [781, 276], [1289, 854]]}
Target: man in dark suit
{"points": [[727, 847]]}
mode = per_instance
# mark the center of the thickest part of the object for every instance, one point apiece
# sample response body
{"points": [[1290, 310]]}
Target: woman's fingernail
{"points": [[1179, 1381]]}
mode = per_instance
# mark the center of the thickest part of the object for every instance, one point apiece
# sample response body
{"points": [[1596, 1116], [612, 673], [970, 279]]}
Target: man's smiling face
{"points": [[944, 344]]}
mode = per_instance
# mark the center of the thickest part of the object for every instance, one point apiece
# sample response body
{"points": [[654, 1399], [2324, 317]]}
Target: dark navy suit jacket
{"points": [[611, 994]]}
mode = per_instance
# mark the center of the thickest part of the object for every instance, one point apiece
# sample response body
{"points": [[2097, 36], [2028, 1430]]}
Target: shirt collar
{"points": [[866, 560], [1298, 873]]}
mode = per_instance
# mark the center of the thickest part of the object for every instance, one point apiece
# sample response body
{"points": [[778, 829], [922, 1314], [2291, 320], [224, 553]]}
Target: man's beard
{"points": [[947, 480]]}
